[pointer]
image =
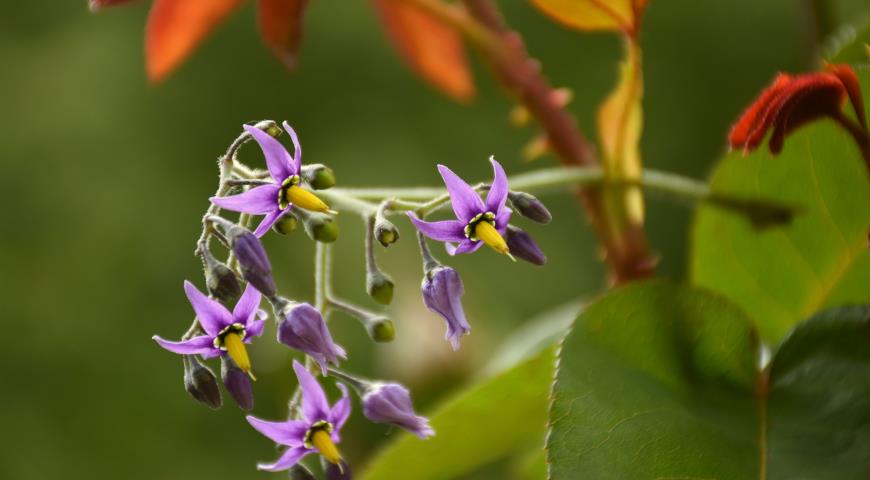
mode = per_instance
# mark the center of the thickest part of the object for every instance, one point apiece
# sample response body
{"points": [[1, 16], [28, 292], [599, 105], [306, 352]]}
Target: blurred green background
{"points": [[106, 178]]}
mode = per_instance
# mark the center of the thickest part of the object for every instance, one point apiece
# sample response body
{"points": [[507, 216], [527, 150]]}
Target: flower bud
{"points": [[522, 246], [336, 472], [222, 283], [285, 225], [253, 261], [442, 293], [200, 382], [299, 472], [381, 329], [319, 176], [237, 383], [302, 327], [320, 227], [530, 207], [270, 127], [380, 287], [391, 403], [385, 232]]}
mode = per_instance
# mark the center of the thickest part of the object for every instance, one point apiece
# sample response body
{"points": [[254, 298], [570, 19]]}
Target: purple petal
{"points": [[314, 404], [256, 201], [211, 315], [502, 218], [465, 246], [278, 161], [196, 345], [498, 191], [288, 459], [341, 409], [289, 432], [297, 149], [254, 329], [442, 293], [247, 305], [270, 220], [465, 201], [443, 231]]}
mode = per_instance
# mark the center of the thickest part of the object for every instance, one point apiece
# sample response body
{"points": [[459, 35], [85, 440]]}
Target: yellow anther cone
{"points": [[487, 234], [323, 443], [302, 198], [238, 352]]}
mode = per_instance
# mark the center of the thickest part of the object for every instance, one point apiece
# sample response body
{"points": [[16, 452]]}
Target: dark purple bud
{"points": [[391, 403], [442, 293], [237, 383], [252, 259], [521, 245], [337, 472], [200, 382], [530, 207], [302, 327], [222, 283]]}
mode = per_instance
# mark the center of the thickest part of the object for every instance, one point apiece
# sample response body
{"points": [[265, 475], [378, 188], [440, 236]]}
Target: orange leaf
{"points": [[432, 48], [176, 27], [612, 15], [281, 27]]}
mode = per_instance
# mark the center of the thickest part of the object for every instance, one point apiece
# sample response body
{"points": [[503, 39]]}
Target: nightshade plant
{"points": [[762, 373]]}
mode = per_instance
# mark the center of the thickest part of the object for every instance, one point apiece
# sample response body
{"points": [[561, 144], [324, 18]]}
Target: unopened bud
{"points": [[237, 383], [285, 225], [320, 226], [200, 382], [381, 329], [530, 207], [380, 287], [299, 472], [340, 471], [253, 261], [319, 176], [522, 246], [385, 232], [270, 127], [222, 283]]}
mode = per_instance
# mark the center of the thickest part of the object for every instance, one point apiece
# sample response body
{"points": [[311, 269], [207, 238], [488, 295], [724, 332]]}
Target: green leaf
{"points": [[504, 416], [660, 381], [782, 275]]}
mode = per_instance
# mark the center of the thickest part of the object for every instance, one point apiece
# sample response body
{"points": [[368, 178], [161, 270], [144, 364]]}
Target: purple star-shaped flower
{"points": [[477, 222], [316, 432], [275, 199], [225, 332]]}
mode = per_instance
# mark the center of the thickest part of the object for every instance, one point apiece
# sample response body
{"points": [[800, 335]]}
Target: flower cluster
{"points": [[228, 318]]}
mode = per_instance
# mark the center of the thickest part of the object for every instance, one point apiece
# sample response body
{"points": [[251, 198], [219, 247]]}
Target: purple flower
{"points": [[391, 403], [477, 222], [316, 431], [442, 293], [225, 332], [274, 200], [302, 327]]}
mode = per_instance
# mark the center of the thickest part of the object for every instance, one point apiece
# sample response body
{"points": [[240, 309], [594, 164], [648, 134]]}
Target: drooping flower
{"points": [[225, 332], [275, 199], [301, 327], [793, 101], [442, 293], [316, 432], [391, 403], [253, 261], [477, 222]]}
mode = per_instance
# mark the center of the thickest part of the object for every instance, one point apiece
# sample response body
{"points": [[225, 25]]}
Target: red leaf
{"points": [[176, 27], [281, 27], [100, 4], [432, 48]]}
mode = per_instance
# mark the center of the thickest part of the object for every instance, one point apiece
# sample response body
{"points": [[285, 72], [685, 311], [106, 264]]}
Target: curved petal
{"points": [[297, 149], [502, 218], [270, 220], [341, 410], [465, 246], [254, 329], [289, 432], [286, 461], [314, 404], [498, 191], [194, 346], [443, 231], [465, 201], [247, 305], [211, 315], [278, 161], [256, 201]]}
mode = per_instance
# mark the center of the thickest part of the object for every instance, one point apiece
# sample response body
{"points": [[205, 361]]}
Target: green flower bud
{"points": [[386, 233], [200, 383], [222, 283], [270, 127], [320, 227], [381, 329], [380, 287], [299, 472], [319, 176], [285, 225]]}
